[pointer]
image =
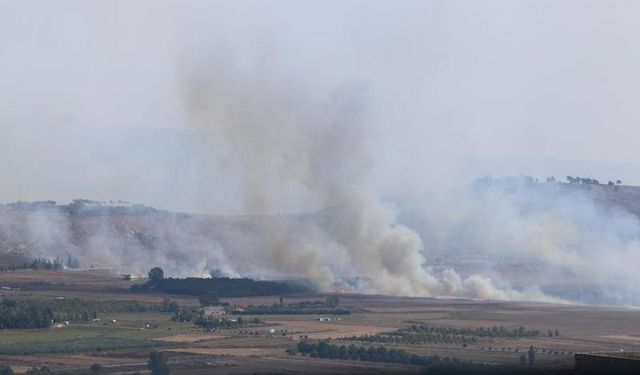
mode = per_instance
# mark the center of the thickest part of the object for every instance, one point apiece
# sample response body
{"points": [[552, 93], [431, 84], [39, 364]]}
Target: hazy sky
{"points": [[91, 103]]}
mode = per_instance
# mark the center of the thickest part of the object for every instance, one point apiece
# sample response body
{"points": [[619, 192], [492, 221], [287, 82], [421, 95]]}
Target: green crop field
{"points": [[129, 331]]}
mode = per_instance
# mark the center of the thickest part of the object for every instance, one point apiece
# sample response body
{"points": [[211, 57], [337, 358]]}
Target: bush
{"points": [[156, 274]]}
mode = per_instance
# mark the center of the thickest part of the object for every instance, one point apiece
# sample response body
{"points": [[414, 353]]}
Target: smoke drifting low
{"points": [[304, 135]]}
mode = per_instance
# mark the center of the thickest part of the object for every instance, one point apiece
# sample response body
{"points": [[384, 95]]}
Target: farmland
{"points": [[492, 333]]}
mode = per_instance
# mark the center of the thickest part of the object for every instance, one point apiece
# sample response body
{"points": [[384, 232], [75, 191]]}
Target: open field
{"points": [[123, 346]]}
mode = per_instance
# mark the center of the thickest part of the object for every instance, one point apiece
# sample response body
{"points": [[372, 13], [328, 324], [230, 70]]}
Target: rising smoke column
{"points": [[288, 144]]}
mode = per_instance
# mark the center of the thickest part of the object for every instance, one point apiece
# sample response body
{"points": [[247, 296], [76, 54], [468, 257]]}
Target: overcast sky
{"points": [[90, 101]]}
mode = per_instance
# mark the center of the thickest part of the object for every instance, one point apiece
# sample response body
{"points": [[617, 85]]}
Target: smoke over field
{"points": [[337, 143], [507, 239]]}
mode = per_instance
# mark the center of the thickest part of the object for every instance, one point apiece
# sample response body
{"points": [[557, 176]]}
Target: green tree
{"points": [[158, 363], [333, 301], [210, 298], [531, 354], [156, 274]]}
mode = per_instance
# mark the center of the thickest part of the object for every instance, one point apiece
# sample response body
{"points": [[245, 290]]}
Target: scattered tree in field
{"points": [[610, 183], [531, 354], [618, 182], [158, 363], [550, 332], [156, 274], [557, 332], [333, 301]]}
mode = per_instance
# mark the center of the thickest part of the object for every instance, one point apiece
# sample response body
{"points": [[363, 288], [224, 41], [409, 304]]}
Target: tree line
{"points": [[24, 314], [431, 364], [221, 287], [327, 307], [419, 334], [41, 312], [324, 349]]}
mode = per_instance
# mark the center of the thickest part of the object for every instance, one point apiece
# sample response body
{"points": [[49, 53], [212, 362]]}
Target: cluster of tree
{"points": [[221, 287], [35, 264], [552, 333], [24, 314], [87, 309], [581, 180], [495, 331], [328, 307], [185, 315], [43, 264], [210, 298], [433, 364], [418, 338], [616, 184], [324, 349], [70, 309], [418, 334]]}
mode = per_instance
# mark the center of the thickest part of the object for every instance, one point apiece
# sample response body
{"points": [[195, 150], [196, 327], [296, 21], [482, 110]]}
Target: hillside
{"points": [[47, 229], [507, 230]]}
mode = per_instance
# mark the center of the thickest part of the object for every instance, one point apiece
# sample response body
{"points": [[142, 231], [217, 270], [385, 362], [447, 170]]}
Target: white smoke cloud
{"points": [[301, 106]]}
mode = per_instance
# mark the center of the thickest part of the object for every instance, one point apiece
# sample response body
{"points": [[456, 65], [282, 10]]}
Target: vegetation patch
{"points": [[328, 307], [419, 334]]}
